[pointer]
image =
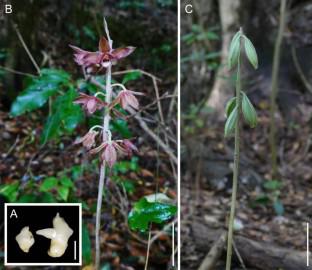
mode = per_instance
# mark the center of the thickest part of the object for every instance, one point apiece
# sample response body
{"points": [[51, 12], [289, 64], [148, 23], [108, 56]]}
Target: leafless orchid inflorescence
{"points": [[94, 61]]}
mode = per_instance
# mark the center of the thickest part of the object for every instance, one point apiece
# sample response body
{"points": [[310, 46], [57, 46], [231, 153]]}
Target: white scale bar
{"points": [[308, 244], [173, 249], [75, 253]]}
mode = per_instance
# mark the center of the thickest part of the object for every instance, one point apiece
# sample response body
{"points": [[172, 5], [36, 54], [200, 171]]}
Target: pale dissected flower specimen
{"points": [[104, 57], [89, 103]]}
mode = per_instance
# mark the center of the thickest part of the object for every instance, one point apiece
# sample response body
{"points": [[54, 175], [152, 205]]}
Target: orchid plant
{"points": [[240, 104], [99, 139]]}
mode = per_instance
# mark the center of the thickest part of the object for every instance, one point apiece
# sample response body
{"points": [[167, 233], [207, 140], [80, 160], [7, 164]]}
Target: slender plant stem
{"points": [[102, 171], [148, 247], [236, 167], [106, 121], [274, 86]]}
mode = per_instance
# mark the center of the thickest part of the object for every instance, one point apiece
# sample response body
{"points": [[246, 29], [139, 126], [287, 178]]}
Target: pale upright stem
{"points": [[275, 69], [236, 168], [106, 121]]}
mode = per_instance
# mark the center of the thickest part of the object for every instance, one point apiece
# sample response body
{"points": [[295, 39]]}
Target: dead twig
{"points": [[214, 253], [26, 48]]}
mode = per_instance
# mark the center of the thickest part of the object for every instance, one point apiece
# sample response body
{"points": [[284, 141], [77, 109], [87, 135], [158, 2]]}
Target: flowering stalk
{"points": [[95, 62]]}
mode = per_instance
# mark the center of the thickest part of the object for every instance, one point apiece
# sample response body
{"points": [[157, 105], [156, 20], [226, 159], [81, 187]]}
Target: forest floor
{"points": [[208, 185]]}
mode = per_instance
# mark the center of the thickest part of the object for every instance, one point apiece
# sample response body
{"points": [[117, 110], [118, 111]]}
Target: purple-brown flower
{"points": [[104, 57], [89, 103], [87, 140], [127, 99], [129, 147], [109, 152]]}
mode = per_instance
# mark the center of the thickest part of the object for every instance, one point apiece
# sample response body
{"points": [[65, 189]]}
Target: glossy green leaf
{"points": [[234, 50], [48, 184], [230, 123], [251, 52], [230, 105], [10, 191], [39, 90], [86, 245], [144, 212], [249, 111], [63, 192]]}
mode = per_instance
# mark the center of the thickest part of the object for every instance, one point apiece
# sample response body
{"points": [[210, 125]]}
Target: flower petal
{"points": [[110, 155], [104, 45], [122, 52]]}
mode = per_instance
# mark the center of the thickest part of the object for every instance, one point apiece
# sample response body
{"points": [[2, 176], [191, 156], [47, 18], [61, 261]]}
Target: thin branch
{"points": [[136, 70], [303, 78], [17, 72], [26, 48]]}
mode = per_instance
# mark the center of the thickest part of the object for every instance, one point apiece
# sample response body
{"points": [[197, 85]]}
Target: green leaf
{"points": [[28, 198], [121, 126], [48, 184], [251, 52], [145, 212], [39, 90], [65, 115], [230, 105], [131, 76], [63, 192], [51, 128], [234, 50], [158, 197], [272, 185], [278, 207], [66, 182], [86, 245], [47, 197], [10, 191], [249, 111], [230, 123]]}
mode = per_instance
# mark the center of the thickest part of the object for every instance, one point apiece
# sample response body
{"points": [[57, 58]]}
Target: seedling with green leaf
{"points": [[240, 104]]}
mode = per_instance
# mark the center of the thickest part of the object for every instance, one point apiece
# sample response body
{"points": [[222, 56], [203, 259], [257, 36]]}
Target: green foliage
{"points": [[131, 76], [63, 186], [251, 52], [230, 105], [272, 196], [230, 122], [121, 126], [55, 85], [10, 191], [39, 90], [234, 51], [144, 212], [249, 111], [65, 116], [86, 245]]}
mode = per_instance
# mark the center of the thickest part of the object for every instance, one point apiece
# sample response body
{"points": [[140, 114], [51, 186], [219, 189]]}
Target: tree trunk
{"points": [[220, 93]]}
